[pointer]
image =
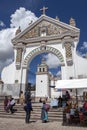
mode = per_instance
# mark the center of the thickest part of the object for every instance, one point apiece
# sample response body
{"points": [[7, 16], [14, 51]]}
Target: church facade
{"points": [[44, 35]]}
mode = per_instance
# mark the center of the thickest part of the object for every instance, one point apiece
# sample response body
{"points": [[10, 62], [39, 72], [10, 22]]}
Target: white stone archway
{"points": [[60, 39], [38, 51], [43, 49]]}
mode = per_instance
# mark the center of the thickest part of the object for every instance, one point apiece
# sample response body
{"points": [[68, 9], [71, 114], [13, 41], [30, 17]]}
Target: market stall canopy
{"points": [[72, 83]]}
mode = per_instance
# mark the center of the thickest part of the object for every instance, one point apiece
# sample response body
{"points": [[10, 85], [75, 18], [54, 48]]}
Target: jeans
{"points": [[27, 116]]}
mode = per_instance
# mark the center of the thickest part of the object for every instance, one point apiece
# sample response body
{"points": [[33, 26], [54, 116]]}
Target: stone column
{"points": [[23, 78]]}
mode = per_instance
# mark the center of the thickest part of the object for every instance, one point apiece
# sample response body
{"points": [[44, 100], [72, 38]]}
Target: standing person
{"points": [[27, 95], [22, 98], [44, 112], [60, 101], [11, 105], [28, 108], [85, 107], [6, 103], [67, 96], [40, 100]]}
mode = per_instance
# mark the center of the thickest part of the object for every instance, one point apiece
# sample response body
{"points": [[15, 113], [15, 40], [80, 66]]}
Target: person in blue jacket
{"points": [[28, 109]]}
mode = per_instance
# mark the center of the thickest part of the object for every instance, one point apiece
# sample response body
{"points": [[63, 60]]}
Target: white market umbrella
{"points": [[72, 83]]}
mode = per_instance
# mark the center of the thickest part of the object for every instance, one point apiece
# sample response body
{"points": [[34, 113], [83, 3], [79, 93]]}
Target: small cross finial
{"points": [[44, 9]]}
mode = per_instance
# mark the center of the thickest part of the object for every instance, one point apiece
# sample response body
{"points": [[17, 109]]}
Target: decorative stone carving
{"points": [[43, 31], [18, 30], [18, 58], [46, 49], [72, 22], [68, 50], [57, 18], [68, 53], [31, 34], [43, 48], [50, 28], [19, 55]]}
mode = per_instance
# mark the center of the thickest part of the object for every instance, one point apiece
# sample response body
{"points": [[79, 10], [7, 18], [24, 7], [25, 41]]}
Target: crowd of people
{"points": [[70, 109], [61, 101], [76, 113], [25, 101]]}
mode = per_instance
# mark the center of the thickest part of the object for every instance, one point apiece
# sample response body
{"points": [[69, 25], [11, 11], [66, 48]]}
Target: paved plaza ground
{"points": [[19, 124]]}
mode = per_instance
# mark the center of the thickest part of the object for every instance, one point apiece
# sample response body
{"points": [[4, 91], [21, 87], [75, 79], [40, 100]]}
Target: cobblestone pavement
{"points": [[18, 124]]}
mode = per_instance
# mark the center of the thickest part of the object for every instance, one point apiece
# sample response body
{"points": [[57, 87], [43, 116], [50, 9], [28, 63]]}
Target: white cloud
{"points": [[84, 46], [21, 17], [2, 24], [79, 53], [6, 49], [82, 50], [59, 73], [51, 60]]}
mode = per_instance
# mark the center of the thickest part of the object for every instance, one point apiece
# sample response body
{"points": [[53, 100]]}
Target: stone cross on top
{"points": [[44, 9]]}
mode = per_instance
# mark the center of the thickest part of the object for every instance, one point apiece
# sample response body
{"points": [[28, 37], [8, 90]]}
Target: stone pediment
{"points": [[45, 26]]}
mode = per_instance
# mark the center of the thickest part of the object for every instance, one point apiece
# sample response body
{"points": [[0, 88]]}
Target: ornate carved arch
{"points": [[40, 50]]}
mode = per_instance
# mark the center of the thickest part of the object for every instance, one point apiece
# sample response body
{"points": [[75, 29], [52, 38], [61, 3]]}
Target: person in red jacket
{"points": [[85, 108], [85, 105]]}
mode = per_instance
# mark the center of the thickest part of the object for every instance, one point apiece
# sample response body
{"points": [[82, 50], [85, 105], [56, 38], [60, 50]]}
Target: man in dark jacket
{"points": [[28, 109]]}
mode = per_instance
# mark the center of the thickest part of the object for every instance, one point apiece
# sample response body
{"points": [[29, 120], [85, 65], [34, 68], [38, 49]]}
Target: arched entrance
{"points": [[60, 39], [42, 49], [36, 52]]}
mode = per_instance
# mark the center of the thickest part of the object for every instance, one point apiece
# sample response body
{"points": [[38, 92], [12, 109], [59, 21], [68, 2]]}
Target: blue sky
{"points": [[64, 9], [13, 12], [54, 69]]}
